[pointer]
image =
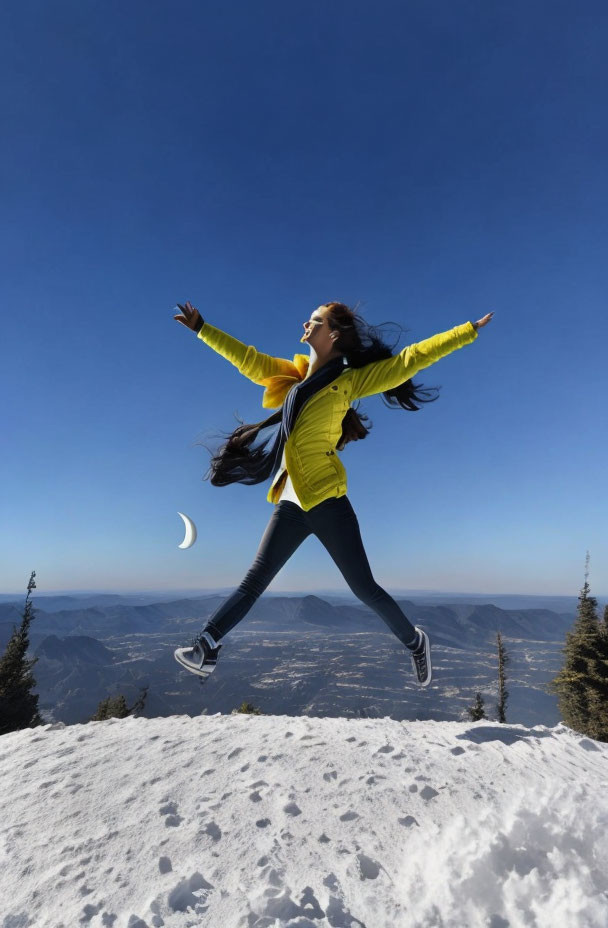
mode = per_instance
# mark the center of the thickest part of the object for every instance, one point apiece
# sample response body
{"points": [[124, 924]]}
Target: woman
{"points": [[296, 446]]}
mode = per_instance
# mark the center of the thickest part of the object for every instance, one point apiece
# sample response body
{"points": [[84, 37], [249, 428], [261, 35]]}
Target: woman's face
{"points": [[317, 331]]}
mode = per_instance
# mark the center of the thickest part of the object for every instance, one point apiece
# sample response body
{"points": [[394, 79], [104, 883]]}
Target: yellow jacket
{"points": [[315, 469]]}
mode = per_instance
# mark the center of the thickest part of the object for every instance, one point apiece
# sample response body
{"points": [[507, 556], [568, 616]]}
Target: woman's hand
{"points": [[481, 322], [189, 316]]}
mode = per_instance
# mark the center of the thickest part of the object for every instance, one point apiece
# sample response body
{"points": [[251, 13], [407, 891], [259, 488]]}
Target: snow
{"points": [[260, 821]]}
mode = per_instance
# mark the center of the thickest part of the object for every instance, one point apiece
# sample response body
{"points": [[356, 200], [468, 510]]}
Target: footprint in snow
{"points": [[89, 912], [369, 869], [408, 821], [292, 809], [348, 816], [213, 830], [170, 810], [182, 897]]}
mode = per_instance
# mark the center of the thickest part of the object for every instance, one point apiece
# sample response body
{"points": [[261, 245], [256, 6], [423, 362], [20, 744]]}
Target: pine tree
{"points": [[598, 690], [477, 710], [18, 704], [248, 709], [597, 683], [582, 683], [112, 707], [115, 707], [503, 695]]}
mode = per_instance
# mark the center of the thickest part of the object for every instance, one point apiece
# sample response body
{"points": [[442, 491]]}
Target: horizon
{"points": [[181, 591]]}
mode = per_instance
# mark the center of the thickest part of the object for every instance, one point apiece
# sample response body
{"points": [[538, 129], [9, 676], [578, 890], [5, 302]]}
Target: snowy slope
{"points": [[255, 821]]}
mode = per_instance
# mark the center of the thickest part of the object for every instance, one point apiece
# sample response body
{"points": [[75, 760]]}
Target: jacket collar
{"points": [[279, 385]]}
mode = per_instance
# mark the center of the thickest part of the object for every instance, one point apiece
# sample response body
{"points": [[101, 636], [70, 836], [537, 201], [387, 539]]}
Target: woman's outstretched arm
{"points": [[252, 363], [378, 376]]}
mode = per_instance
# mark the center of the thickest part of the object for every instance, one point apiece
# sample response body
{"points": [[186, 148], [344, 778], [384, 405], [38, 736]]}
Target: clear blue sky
{"points": [[433, 160]]}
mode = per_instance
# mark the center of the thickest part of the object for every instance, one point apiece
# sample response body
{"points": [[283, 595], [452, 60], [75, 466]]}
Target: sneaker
{"points": [[201, 657], [421, 658]]}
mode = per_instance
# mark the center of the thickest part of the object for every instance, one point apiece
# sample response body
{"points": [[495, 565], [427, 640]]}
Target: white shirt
{"points": [[288, 491]]}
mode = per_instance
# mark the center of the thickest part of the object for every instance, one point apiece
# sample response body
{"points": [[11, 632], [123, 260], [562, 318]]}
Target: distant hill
{"points": [[88, 653], [455, 624]]}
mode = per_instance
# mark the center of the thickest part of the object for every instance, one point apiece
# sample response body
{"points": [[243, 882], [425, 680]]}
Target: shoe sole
{"points": [[203, 671], [427, 654]]}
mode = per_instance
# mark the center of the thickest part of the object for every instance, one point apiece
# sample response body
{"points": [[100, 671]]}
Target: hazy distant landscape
{"points": [[294, 655]]}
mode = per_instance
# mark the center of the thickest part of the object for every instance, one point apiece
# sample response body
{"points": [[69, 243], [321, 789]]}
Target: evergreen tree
{"points": [[115, 707], [18, 702], [247, 708], [503, 695], [582, 683], [597, 727], [112, 707], [477, 710]]}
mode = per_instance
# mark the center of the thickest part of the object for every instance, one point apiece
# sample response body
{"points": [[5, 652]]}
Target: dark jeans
{"points": [[335, 524]]}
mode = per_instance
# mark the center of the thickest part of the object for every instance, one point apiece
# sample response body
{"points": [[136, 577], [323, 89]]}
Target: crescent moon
{"points": [[190, 536]]}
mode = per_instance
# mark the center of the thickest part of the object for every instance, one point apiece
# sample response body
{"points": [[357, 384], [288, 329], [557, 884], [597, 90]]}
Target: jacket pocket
{"points": [[338, 469]]}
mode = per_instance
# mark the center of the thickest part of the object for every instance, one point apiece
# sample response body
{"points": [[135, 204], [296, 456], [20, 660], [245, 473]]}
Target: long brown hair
{"points": [[360, 344]]}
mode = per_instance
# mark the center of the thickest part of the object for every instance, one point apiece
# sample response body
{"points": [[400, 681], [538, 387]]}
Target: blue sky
{"points": [[433, 161]]}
